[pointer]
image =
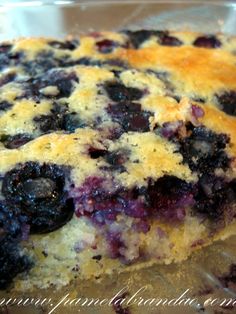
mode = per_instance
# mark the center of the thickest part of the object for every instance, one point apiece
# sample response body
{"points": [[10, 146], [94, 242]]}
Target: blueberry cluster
{"points": [[125, 110], [12, 261], [227, 102], [137, 38], [59, 119], [165, 199], [204, 150], [9, 58], [15, 141], [214, 197], [33, 87]]}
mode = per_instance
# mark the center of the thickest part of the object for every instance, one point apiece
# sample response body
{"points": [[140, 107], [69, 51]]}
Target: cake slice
{"points": [[117, 151]]}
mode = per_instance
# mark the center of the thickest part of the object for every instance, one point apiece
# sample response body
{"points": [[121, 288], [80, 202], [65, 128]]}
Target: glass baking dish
{"points": [[200, 274], [62, 17]]}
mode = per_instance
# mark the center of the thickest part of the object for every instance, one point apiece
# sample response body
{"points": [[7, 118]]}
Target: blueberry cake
{"points": [[117, 151]]}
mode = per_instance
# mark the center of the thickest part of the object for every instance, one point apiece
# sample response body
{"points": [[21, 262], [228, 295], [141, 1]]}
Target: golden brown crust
{"points": [[194, 70]]}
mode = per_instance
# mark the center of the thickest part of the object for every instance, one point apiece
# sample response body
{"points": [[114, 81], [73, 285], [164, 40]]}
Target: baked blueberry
{"points": [[95, 153], [62, 80], [90, 197], [5, 48], [227, 102], [119, 92], [11, 221], [137, 38], [39, 191], [197, 112], [214, 195], [116, 159], [43, 61], [12, 261], [228, 280], [72, 122], [87, 61], [15, 141], [30, 90], [209, 41], [4, 61], [106, 45], [103, 206], [168, 197], [8, 58], [164, 199], [59, 119], [130, 116], [204, 150], [115, 244], [116, 63], [35, 87], [7, 78], [68, 44], [5, 105], [170, 129], [167, 40]]}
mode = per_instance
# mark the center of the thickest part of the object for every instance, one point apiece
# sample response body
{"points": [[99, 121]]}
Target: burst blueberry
{"points": [[117, 159], [39, 191], [167, 40], [43, 61], [227, 102], [12, 262], [106, 45], [168, 197], [95, 153], [63, 81], [130, 116], [67, 44], [15, 141], [228, 280], [214, 196], [60, 118], [204, 150], [137, 38], [7, 78], [209, 41], [5, 105], [9, 58], [11, 221], [119, 92]]}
